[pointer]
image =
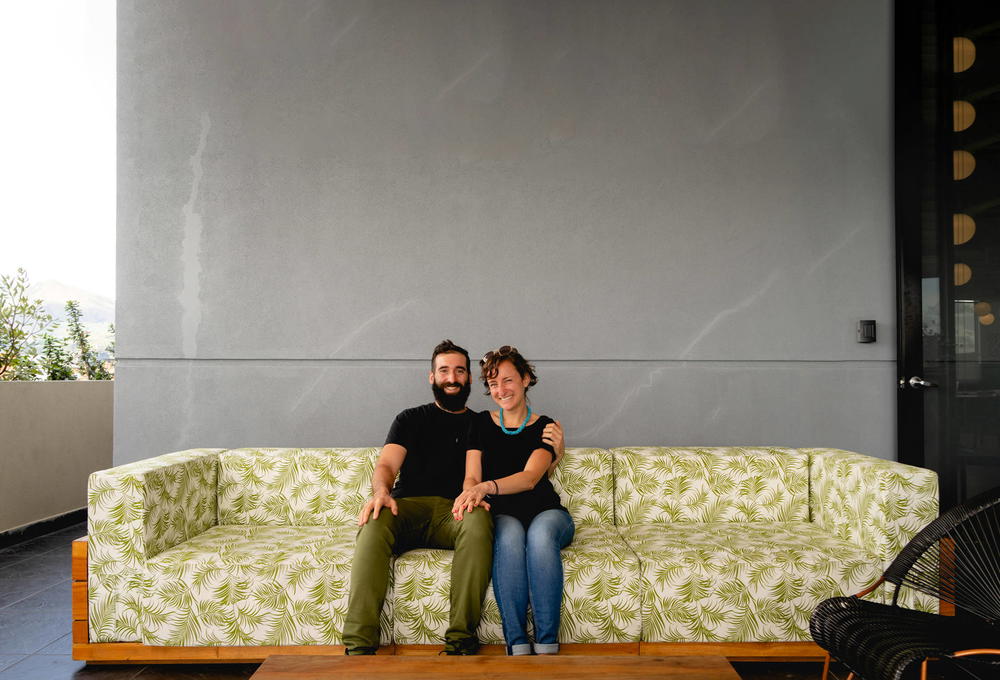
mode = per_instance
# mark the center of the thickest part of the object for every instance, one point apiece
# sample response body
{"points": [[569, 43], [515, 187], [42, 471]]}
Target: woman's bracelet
{"points": [[496, 487]]}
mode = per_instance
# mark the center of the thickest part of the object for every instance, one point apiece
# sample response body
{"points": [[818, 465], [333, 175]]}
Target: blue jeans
{"points": [[527, 568]]}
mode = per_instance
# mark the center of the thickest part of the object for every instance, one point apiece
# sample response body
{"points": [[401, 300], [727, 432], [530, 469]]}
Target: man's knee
{"points": [[476, 525], [378, 530]]}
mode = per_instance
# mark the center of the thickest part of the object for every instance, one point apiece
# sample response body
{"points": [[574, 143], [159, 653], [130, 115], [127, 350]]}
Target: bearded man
{"points": [[426, 446]]}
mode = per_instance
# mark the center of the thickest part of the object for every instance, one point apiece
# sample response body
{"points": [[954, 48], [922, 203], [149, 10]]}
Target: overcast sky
{"points": [[57, 74]]}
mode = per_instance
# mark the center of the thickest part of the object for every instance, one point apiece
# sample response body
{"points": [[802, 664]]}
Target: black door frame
{"points": [[909, 129]]}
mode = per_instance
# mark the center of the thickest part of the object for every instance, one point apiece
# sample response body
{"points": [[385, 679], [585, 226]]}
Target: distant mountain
{"points": [[97, 311]]}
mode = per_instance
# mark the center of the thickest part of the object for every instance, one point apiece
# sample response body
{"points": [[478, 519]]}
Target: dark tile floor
{"points": [[35, 626]]}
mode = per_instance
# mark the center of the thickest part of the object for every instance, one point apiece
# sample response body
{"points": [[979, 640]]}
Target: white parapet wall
{"points": [[52, 436]]}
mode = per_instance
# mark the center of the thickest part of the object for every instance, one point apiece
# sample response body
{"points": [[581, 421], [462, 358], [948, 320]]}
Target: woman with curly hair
{"points": [[506, 470]]}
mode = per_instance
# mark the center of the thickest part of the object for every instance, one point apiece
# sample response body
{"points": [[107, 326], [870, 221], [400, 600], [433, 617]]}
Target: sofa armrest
{"points": [[874, 503], [134, 512], [143, 508]]}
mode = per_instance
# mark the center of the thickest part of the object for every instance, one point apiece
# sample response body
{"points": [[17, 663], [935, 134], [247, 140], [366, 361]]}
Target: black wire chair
{"points": [[955, 559]]}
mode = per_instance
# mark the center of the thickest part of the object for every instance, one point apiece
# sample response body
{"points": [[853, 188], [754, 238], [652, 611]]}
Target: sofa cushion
{"points": [[252, 585], [741, 582], [294, 487], [585, 485], [727, 484], [601, 596]]}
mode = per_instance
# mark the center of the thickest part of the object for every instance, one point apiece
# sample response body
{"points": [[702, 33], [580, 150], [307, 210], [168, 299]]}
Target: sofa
{"points": [[227, 554]]}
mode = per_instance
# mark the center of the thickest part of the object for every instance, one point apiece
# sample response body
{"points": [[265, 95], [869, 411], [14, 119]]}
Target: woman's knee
{"points": [[551, 528], [508, 533]]}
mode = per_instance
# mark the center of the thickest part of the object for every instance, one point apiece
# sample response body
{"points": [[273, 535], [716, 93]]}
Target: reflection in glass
{"points": [[966, 328], [930, 312]]}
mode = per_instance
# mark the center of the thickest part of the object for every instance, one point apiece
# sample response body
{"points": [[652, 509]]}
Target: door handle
{"points": [[918, 382]]}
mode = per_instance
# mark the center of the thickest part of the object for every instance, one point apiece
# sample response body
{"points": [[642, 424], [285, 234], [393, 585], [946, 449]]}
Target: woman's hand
{"points": [[471, 498]]}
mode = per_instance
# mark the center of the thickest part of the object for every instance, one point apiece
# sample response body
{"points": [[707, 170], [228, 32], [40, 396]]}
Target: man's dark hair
{"points": [[447, 347]]}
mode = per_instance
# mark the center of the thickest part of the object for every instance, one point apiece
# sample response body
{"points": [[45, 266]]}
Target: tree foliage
{"points": [[88, 363], [57, 361], [30, 351], [110, 349], [21, 321]]}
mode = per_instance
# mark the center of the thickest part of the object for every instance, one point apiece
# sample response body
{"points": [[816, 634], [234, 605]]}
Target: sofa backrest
{"points": [[734, 484], [585, 485], [279, 486], [294, 486]]}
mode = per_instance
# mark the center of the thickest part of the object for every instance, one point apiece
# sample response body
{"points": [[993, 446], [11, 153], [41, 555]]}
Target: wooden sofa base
{"points": [[136, 652]]}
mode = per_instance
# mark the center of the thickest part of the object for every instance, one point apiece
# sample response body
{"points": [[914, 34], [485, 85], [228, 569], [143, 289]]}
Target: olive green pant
{"points": [[422, 522]]}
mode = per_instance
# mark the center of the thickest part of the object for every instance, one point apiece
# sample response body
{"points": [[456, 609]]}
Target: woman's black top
{"points": [[506, 454]]}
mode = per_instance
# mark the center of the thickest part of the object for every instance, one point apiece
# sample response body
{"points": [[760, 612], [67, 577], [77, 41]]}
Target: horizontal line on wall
{"points": [[533, 360]]}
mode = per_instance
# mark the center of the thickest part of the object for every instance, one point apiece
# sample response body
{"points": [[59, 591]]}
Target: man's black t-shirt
{"points": [[505, 455], [435, 443]]}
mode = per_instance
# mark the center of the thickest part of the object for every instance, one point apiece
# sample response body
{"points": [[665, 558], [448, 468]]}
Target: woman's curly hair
{"points": [[490, 366]]}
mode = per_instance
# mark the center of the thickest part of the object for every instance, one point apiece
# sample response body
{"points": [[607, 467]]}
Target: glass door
{"points": [[947, 137]]}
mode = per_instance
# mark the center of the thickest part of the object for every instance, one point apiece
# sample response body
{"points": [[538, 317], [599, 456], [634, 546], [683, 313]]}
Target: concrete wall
{"points": [[52, 436], [679, 210]]}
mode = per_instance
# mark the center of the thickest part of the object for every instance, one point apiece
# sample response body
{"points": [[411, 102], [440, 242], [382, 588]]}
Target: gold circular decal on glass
{"points": [[963, 115], [982, 308], [963, 164], [963, 54], [963, 273], [963, 228], [987, 319]]}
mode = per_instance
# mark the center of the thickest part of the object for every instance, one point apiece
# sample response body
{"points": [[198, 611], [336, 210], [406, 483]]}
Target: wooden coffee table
{"points": [[288, 667]]}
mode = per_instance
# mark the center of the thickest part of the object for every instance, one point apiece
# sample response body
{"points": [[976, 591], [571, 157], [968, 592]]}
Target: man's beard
{"points": [[451, 402]]}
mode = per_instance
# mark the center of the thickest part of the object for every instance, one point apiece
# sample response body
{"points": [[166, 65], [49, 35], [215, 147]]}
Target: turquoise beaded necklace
{"points": [[518, 430]]}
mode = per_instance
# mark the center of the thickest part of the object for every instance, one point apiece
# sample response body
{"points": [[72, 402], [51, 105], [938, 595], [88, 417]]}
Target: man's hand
{"points": [[383, 476], [553, 436], [374, 505]]}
